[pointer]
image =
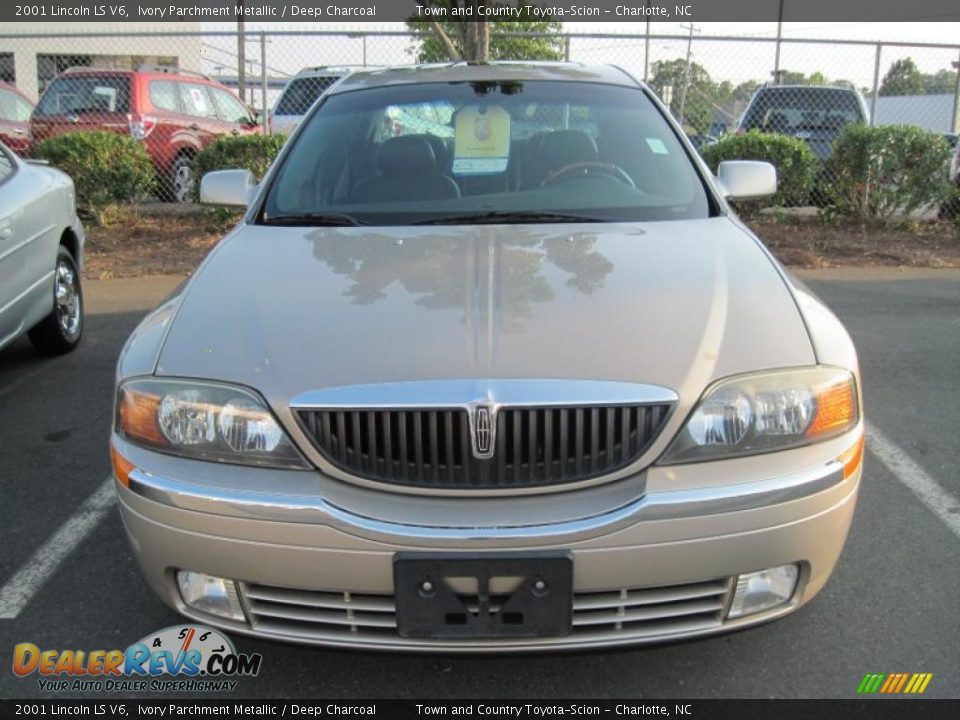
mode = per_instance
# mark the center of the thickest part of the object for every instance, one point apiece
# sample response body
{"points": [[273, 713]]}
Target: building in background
{"points": [[931, 112], [33, 61]]}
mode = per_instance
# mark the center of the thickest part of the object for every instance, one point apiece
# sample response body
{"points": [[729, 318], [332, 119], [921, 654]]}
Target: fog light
{"points": [[763, 590], [210, 594]]}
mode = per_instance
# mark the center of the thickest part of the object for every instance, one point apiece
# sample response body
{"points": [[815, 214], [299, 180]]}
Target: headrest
{"points": [[566, 147], [406, 154]]}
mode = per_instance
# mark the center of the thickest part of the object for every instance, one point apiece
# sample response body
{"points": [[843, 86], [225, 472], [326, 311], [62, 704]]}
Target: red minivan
{"points": [[175, 113], [15, 109]]}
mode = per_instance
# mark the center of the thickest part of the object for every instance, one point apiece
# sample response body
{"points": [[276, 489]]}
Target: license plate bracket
{"points": [[516, 594]]}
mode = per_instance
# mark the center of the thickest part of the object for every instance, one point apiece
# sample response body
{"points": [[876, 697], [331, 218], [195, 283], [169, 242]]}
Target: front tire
{"points": [[61, 330]]}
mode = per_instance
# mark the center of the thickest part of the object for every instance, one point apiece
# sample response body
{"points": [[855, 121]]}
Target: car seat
{"points": [[406, 170]]}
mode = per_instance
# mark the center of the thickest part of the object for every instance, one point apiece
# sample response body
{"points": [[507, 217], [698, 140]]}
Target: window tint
{"points": [[86, 94], [405, 154], [789, 110], [163, 95], [196, 101], [13, 107], [229, 108], [301, 93]]}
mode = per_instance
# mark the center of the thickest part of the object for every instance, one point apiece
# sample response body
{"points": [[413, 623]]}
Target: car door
{"points": [[196, 102], [236, 116], [24, 228]]}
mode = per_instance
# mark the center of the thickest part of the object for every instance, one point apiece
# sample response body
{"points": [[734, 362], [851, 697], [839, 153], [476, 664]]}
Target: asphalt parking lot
{"points": [[892, 605]]}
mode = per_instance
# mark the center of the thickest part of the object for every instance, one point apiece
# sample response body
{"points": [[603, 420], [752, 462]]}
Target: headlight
{"points": [[207, 421], [763, 412]]}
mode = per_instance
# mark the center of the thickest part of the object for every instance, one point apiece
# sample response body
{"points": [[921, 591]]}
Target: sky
{"points": [[733, 61]]}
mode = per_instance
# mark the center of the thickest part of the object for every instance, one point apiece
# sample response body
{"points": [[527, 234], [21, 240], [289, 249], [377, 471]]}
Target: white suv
{"points": [[299, 95]]}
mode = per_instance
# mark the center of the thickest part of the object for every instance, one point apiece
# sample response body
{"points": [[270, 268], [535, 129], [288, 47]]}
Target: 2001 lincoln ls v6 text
{"points": [[489, 365]]}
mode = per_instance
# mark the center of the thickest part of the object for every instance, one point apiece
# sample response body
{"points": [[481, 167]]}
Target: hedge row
{"points": [[873, 173]]}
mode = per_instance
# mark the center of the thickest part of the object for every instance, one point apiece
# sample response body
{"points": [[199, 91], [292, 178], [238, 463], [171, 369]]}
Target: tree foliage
{"points": [[486, 40], [903, 78]]}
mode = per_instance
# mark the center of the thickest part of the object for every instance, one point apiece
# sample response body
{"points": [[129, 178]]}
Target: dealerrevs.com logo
{"points": [[184, 658]]}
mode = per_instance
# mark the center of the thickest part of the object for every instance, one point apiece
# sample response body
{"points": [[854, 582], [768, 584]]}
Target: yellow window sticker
{"points": [[481, 140]]}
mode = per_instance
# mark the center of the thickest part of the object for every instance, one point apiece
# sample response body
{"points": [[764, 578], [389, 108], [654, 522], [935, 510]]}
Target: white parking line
{"points": [[41, 565], [927, 490]]}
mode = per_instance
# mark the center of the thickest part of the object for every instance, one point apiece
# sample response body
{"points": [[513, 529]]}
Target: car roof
{"points": [[828, 88], [492, 71], [326, 71]]}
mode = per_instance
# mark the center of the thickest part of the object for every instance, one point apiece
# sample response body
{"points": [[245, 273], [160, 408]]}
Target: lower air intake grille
{"points": [[532, 447], [634, 614]]}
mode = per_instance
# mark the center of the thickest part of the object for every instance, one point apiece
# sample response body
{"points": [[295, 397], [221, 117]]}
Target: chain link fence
{"points": [[176, 91]]}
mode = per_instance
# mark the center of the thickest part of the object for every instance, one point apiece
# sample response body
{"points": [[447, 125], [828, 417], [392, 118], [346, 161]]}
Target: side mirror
{"points": [[227, 187], [747, 179]]}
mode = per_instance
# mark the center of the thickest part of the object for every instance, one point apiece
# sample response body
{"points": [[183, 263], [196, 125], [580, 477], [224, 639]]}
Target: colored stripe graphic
{"points": [[894, 683]]}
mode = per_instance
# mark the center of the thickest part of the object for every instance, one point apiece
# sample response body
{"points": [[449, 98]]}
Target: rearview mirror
{"points": [[228, 187], [747, 179]]}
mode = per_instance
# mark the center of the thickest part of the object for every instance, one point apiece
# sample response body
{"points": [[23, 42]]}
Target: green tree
{"points": [[458, 39], [702, 93], [942, 82], [903, 78]]}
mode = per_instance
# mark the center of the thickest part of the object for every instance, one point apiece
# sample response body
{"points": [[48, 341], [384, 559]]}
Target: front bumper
{"points": [[660, 567]]}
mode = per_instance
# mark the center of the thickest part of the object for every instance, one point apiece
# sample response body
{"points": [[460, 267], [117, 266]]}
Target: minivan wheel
{"points": [[181, 179], [61, 330]]}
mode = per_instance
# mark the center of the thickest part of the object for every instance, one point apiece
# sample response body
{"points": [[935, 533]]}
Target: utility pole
{"points": [[776, 57], [241, 54], [686, 72], [646, 48]]}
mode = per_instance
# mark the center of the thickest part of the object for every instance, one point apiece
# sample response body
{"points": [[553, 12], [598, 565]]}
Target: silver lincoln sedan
{"points": [[488, 365]]}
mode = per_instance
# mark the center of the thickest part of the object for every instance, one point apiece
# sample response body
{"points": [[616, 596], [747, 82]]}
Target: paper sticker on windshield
{"points": [[481, 141], [656, 146]]}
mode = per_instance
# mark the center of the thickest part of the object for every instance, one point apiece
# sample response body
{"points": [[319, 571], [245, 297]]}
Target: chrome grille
{"points": [[627, 613], [533, 446]]}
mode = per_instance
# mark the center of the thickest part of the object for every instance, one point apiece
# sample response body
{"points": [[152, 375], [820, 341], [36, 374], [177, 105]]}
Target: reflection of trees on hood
{"points": [[446, 275]]}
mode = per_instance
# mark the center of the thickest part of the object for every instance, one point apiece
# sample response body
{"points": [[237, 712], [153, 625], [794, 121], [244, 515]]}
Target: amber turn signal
{"points": [[137, 415], [836, 409], [121, 466]]}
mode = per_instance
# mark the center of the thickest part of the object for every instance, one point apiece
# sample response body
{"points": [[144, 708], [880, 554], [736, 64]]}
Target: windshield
{"points": [[86, 94], [788, 110], [498, 151]]}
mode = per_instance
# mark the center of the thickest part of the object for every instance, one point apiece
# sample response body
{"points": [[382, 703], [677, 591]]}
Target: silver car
{"points": [[507, 376], [41, 256]]}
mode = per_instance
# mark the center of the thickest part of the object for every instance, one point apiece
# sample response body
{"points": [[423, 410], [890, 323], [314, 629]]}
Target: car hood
{"points": [[675, 304]]}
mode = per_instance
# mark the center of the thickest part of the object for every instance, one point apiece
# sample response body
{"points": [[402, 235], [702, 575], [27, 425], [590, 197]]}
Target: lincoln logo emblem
{"points": [[482, 424]]}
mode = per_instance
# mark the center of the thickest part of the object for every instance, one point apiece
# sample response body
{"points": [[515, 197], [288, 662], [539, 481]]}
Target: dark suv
{"points": [[814, 114], [175, 113]]}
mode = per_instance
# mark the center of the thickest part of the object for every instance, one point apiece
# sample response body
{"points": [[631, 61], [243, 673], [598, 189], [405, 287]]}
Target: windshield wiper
{"points": [[507, 216], [314, 219]]}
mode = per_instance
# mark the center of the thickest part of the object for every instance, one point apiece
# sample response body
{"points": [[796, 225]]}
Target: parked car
{"points": [[524, 392], [15, 109], [175, 113], [41, 256], [300, 94], [813, 113]]}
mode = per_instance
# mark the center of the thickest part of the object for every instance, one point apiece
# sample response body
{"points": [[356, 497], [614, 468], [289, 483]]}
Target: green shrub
{"points": [[106, 168], [882, 172], [795, 163], [250, 152]]}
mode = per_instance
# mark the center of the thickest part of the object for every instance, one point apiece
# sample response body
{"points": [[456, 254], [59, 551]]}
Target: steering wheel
{"points": [[590, 166]]}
